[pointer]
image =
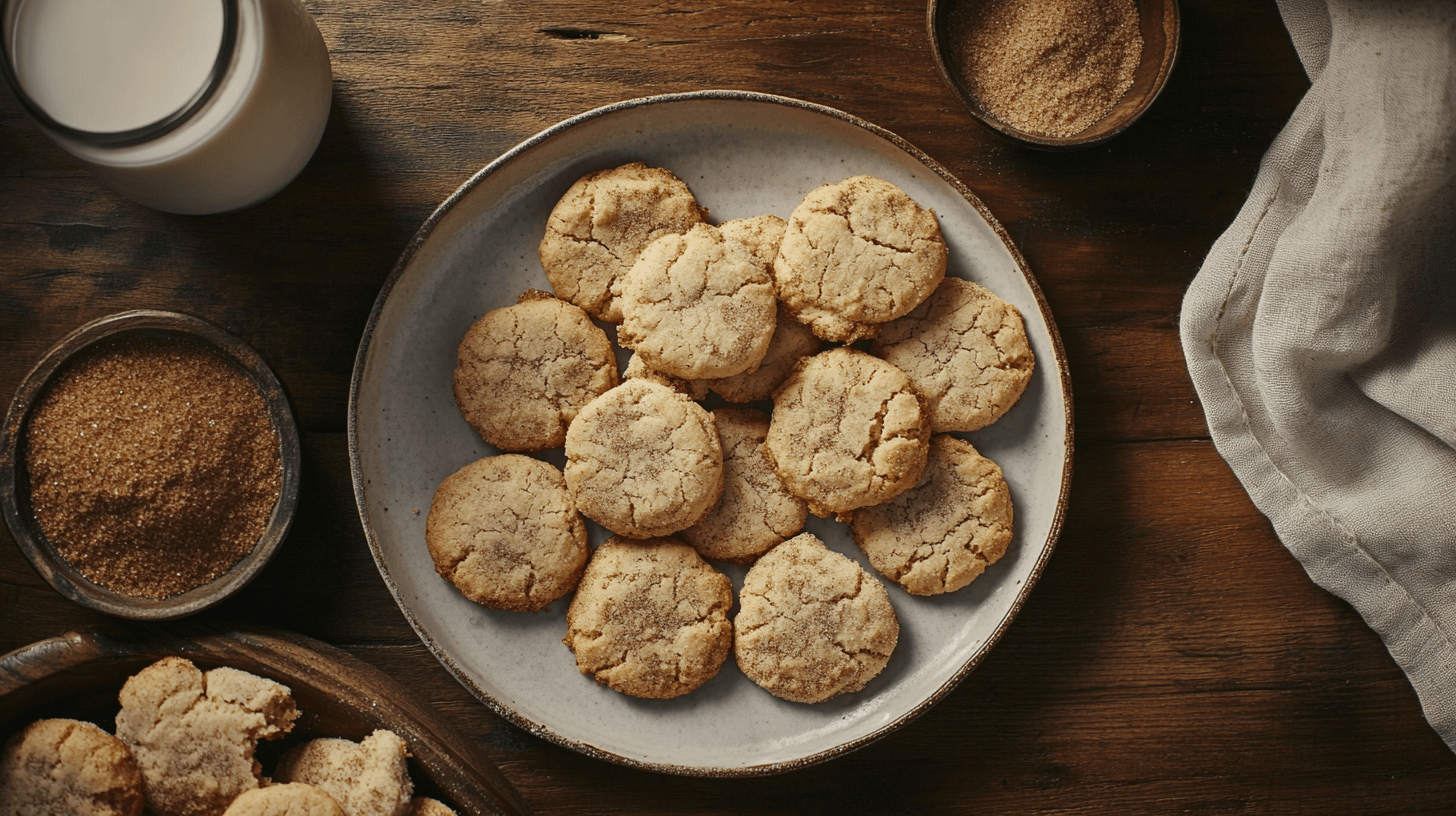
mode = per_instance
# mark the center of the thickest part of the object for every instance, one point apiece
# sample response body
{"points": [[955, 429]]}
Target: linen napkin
{"points": [[1321, 331]]}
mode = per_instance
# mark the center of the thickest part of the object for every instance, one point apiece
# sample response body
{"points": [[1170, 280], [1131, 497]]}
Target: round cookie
{"points": [[848, 430], [792, 341], [603, 222], [967, 352], [698, 305], [756, 511], [289, 799], [504, 531], [943, 533], [68, 766], [367, 778], [857, 254], [643, 460], [812, 624], [650, 619], [525, 371]]}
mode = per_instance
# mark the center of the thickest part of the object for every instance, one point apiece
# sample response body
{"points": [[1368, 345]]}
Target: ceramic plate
{"points": [[743, 155]]}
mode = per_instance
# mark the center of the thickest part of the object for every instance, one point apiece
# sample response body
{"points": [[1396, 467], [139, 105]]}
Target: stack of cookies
{"points": [[837, 360]]}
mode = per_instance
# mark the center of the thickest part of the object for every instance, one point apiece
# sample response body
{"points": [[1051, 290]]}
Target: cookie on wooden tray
{"points": [[966, 350], [857, 254], [792, 341], [603, 222], [60, 766], [650, 618], [288, 799], [524, 371], [812, 624], [755, 511], [698, 305], [504, 531], [643, 460], [848, 430], [193, 737], [366, 778], [940, 535]]}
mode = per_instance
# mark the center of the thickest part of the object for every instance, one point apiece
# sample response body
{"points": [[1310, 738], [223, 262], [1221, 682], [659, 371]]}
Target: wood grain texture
{"points": [[1174, 657]]}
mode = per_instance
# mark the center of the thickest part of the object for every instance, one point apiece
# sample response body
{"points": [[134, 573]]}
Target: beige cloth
{"points": [[1321, 331]]}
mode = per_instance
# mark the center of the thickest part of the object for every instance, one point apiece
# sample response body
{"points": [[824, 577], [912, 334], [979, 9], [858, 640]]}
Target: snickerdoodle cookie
{"points": [[643, 460], [938, 536], [603, 222], [812, 624], [650, 618], [504, 531], [288, 799], [692, 389], [366, 778], [792, 341], [848, 430], [68, 766], [524, 371], [857, 254], [967, 352]]}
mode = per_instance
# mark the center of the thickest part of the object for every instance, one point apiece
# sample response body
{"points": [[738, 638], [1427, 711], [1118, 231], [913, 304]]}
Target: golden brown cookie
{"points": [[289, 799], [650, 619], [941, 534], [504, 531], [425, 806], [366, 778], [524, 371], [848, 430], [698, 305], [812, 624], [193, 735], [603, 222], [967, 352], [792, 341], [857, 254], [696, 390], [760, 235], [756, 511], [59, 766], [643, 460]]}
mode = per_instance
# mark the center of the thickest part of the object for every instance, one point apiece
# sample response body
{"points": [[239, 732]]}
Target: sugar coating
{"points": [[856, 254], [966, 350], [812, 624], [643, 460], [692, 389], [60, 766], [367, 778], [603, 222], [193, 735], [698, 305], [756, 511], [848, 430], [650, 619], [792, 341], [523, 372], [425, 806], [943, 533], [290, 799], [504, 531]]}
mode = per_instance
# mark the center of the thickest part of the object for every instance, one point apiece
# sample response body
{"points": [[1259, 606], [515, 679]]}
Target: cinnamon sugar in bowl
{"points": [[149, 465]]}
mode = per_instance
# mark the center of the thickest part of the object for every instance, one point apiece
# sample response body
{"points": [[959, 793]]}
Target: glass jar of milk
{"points": [[187, 106]]}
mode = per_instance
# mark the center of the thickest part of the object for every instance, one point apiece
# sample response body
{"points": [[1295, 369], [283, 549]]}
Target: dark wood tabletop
{"points": [[1173, 658]]}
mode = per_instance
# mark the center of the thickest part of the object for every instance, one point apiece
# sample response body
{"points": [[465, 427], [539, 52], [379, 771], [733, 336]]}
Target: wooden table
{"points": [[1174, 658]]}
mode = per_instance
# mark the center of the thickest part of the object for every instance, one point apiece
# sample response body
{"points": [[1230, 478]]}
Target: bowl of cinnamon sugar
{"points": [[149, 465], [1055, 74]]}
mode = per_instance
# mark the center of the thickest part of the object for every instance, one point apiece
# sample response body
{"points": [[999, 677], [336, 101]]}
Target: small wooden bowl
{"points": [[1159, 23], [15, 482]]}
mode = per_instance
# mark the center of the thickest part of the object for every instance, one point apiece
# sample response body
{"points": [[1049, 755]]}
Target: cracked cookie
{"points": [[943, 533], [366, 778], [792, 341], [288, 799], [756, 511], [643, 460], [848, 430], [857, 254], [603, 222], [523, 372], [967, 352], [650, 618], [504, 531], [67, 766], [812, 624], [193, 735]]}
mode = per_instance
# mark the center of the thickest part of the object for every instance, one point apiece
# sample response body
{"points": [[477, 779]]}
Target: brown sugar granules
{"points": [[1049, 67], [153, 464]]}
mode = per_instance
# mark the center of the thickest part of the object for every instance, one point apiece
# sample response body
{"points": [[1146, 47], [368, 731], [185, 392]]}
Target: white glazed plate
{"points": [[743, 155]]}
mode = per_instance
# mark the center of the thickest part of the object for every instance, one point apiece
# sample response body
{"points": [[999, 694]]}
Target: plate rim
{"points": [[417, 241]]}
